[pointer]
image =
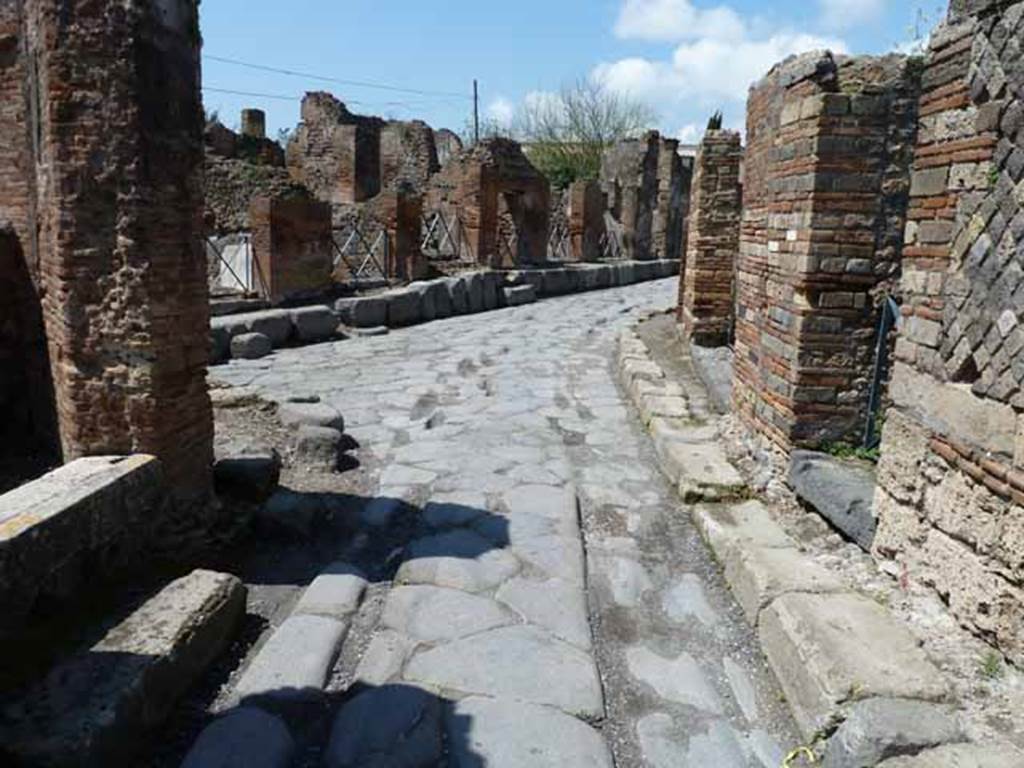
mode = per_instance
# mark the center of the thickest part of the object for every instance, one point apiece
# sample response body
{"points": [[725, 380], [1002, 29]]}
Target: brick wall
{"points": [[951, 479], [585, 220], [502, 201], [116, 196], [629, 178], [291, 242], [334, 153], [827, 169], [408, 155], [706, 307]]}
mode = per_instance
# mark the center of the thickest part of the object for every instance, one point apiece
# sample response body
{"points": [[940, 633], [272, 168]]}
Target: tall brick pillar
{"points": [[254, 123], [706, 308], [827, 175], [112, 104], [672, 202]]}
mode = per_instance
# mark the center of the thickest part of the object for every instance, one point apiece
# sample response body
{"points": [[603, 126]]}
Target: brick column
{"points": [[118, 194], [825, 196], [706, 307], [672, 203], [291, 243], [254, 123]]}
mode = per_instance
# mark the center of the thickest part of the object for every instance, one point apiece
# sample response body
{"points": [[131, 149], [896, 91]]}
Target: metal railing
{"points": [[364, 255], [444, 237], [244, 274]]}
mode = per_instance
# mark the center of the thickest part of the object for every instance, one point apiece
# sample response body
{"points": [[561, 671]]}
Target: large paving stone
{"points": [[243, 738], [384, 658], [521, 663], [962, 756], [881, 728], [395, 726], [679, 680], [555, 605], [829, 651], [335, 593], [96, 706], [293, 665], [499, 733], [458, 559], [314, 324], [758, 575], [435, 614], [843, 493]]}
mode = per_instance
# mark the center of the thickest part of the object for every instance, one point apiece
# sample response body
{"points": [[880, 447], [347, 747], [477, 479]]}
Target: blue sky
{"points": [[684, 58]]}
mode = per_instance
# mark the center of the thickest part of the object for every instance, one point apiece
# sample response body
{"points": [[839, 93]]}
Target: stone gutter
{"points": [[861, 690]]}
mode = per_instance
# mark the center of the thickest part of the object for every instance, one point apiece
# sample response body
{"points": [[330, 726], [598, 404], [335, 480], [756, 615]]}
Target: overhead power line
{"points": [[282, 97], [339, 81]]}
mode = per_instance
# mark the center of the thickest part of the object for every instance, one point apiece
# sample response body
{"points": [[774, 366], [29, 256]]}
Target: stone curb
{"points": [[421, 302], [831, 649]]}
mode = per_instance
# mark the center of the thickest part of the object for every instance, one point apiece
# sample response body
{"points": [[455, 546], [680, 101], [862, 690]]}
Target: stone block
{"points": [[251, 346], [313, 324], [220, 345], [1018, 453], [252, 473], [493, 296], [830, 651], [556, 282], [738, 527], [519, 295], [99, 704], [275, 324], [295, 415], [427, 293], [404, 308], [878, 729], [841, 491], [364, 312], [335, 593], [759, 575], [73, 526], [458, 295], [246, 737], [475, 292], [292, 668], [317, 447], [962, 756]]}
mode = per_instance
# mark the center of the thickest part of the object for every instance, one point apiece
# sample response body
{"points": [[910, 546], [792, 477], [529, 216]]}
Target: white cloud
{"points": [[501, 111], [690, 134], [708, 69], [846, 14], [673, 20]]}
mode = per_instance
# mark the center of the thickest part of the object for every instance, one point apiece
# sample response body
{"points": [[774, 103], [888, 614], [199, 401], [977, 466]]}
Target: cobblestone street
{"points": [[560, 600]]}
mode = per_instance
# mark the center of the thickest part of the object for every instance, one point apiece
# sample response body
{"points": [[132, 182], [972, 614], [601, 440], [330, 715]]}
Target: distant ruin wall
{"points": [[116, 191], [827, 168], [292, 246], [629, 179], [672, 205], [950, 500], [706, 307]]}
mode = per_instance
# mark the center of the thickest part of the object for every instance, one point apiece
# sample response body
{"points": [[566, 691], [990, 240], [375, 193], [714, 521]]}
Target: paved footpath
{"points": [[542, 641]]}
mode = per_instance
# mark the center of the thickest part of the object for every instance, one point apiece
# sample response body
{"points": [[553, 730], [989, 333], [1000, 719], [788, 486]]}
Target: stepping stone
{"points": [[554, 605], [313, 324], [458, 559], [364, 312], [434, 614], [521, 663], [395, 726], [251, 346], [295, 415], [318, 447], [680, 680], [251, 474], [244, 738], [98, 704], [505, 734], [336, 593], [384, 658], [830, 650], [294, 664]]}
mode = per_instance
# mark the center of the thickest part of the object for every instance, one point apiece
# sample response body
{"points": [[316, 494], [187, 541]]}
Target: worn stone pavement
{"points": [[562, 606]]}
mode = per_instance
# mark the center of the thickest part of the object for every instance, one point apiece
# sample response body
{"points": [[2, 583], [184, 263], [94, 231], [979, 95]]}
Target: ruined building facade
{"points": [[101, 219], [950, 500], [827, 174]]}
